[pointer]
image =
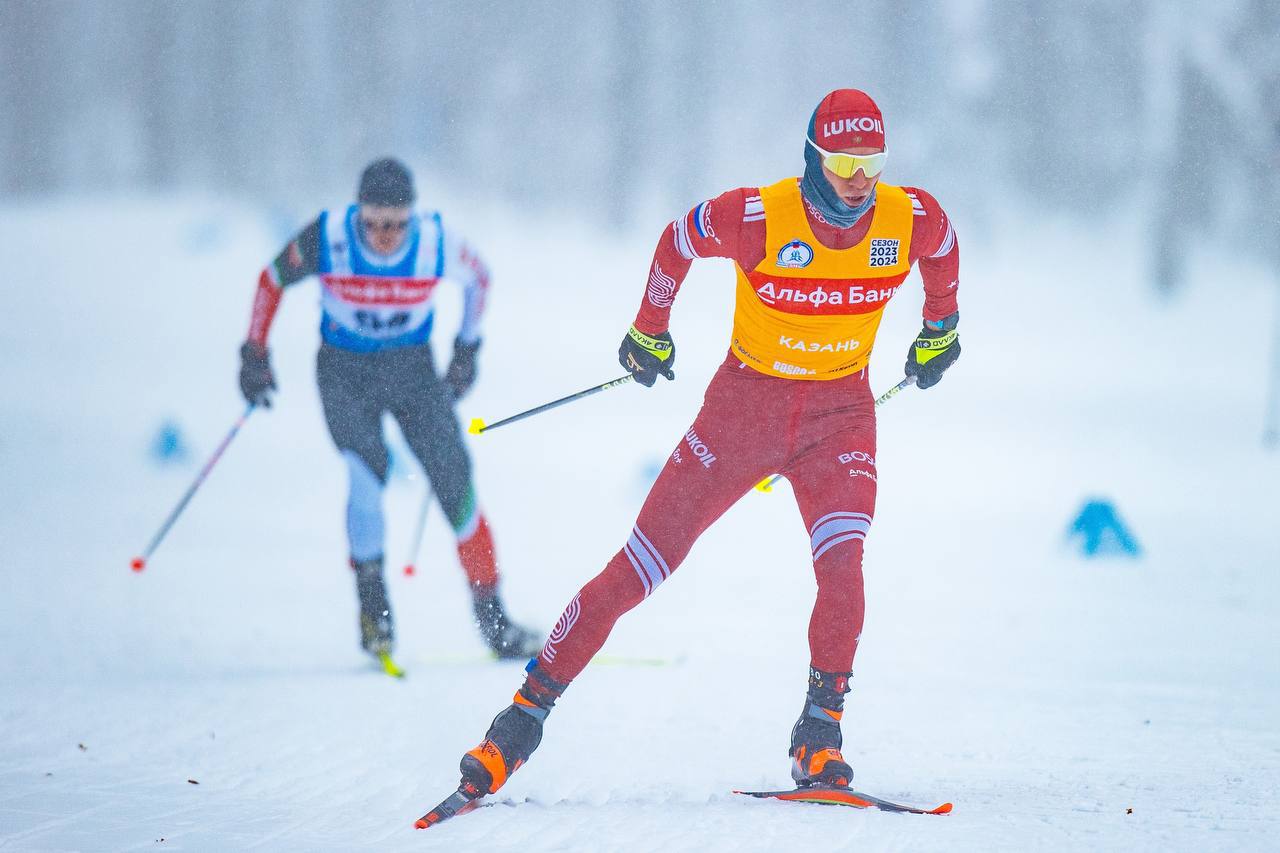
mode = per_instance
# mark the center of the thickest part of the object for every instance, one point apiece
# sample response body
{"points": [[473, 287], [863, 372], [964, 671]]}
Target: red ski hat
{"points": [[847, 118]]}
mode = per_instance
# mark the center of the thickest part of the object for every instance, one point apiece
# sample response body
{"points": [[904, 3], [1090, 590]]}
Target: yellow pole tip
{"points": [[765, 485], [476, 426]]}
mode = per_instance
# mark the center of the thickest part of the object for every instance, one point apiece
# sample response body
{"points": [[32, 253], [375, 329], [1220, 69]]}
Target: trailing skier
{"points": [[379, 263]]}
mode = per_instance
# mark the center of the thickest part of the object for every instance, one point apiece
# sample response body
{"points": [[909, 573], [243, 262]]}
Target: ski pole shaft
{"points": [[139, 563], [478, 426], [889, 395], [766, 485], [410, 568]]}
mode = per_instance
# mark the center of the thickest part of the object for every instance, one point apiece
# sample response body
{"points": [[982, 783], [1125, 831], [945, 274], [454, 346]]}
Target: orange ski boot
{"points": [[816, 739], [513, 735]]}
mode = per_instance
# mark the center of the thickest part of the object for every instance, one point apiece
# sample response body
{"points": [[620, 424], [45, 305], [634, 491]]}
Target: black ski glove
{"points": [[462, 368], [935, 349], [256, 378], [646, 356]]}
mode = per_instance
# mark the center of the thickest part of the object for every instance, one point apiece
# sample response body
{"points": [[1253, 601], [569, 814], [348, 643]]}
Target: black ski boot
{"points": [[507, 639], [377, 633], [513, 735], [815, 738]]}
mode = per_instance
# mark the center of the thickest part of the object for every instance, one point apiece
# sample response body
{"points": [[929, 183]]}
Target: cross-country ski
{"points": [[841, 796]]}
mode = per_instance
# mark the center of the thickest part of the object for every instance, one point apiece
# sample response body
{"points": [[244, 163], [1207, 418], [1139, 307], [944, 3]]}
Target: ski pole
{"points": [[410, 569], [140, 563], [893, 392], [766, 485], [478, 426]]}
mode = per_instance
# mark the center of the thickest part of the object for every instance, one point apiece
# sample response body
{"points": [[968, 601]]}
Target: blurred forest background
{"points": [[1166, 109]]}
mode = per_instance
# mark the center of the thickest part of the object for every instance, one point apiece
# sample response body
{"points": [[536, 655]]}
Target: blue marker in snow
{"points": [[1102, 532], [649, 471], [169, 446]]}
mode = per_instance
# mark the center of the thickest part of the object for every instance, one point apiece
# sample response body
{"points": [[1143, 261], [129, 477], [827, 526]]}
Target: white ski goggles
{"points": [[845, 165]]}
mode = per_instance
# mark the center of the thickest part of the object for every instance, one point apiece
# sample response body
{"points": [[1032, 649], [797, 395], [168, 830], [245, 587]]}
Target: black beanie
{"points": [[387, 183]]}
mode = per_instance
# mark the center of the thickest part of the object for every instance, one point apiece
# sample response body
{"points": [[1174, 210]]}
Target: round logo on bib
{"points": [[797, 253]]}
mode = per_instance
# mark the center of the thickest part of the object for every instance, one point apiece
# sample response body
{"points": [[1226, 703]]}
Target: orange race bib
{"points": [[809, 312]]}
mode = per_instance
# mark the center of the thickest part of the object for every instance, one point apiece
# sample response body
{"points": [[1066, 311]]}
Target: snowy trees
{"points": [[613, 109]]}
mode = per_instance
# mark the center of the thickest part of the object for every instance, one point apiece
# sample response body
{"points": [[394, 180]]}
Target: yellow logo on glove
{"points": [[928, 349], [660, 350]]}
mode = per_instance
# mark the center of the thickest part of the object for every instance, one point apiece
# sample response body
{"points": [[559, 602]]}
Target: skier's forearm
{"points": [[941, 277], [712, 229], [464, 265], [666, 273], [475, 297], [266, 299], [937, 251], [299, 259]]}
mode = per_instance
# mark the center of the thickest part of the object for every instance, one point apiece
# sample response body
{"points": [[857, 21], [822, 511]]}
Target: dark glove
{"points": [[462, 368], [936, 348], [646, 356], [256, 378]]}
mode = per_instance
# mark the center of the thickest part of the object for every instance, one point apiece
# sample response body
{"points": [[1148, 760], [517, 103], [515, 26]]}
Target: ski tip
{"points": [[945, 808], [466, 798], [476, 426], [410, 571], [137, 564], [389, 666]]}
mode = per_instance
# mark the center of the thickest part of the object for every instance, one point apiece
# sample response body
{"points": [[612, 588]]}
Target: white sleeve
{"points": [[463, 264]]}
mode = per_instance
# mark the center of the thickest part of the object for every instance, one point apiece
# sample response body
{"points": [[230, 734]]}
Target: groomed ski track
{"points": [[1060, 704]]}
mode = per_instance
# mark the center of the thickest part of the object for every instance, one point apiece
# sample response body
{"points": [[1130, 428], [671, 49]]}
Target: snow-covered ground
{"points": [[1060, 703]]}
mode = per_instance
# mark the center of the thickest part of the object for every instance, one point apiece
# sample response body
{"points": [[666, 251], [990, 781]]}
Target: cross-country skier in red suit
{"points": [[379, 262], [817, 258]]}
